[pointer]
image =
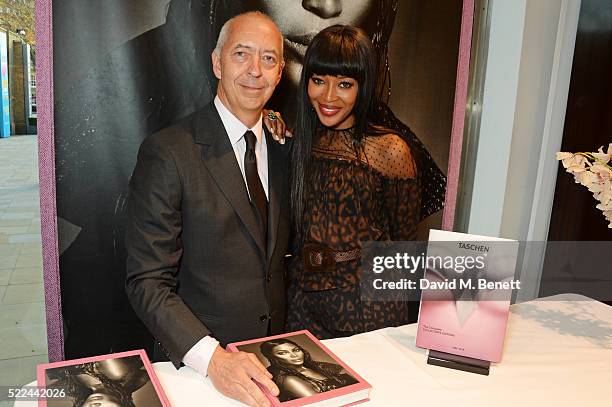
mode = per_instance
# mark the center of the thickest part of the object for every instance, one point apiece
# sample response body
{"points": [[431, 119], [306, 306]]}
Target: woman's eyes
{"points": [[342, 84], [284, 352], [317, 81]]}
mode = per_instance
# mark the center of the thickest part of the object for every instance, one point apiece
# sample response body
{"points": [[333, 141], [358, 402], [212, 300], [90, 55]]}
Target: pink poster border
{"points": [[461, 94], [46, 165], [46, 157]]}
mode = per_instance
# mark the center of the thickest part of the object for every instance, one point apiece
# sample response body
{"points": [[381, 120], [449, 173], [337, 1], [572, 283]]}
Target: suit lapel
{"points": [[220, 160], [275, 190]]}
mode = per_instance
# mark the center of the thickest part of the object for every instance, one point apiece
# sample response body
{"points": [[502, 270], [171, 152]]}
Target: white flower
{"points": [[603, 171], [606, 194], [595, 189], [604, 157], [601, 156], [605, 208], [587, 178], [593, 171], [608, 215], [561, 156], [576, 163]]}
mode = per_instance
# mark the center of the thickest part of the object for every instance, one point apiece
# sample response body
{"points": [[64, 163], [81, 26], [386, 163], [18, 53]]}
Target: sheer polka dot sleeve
{"points": [[390, 156]]}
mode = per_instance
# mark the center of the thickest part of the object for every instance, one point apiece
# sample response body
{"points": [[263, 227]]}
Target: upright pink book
{"points": [[306, 372], [124, 379], [467, 288]]}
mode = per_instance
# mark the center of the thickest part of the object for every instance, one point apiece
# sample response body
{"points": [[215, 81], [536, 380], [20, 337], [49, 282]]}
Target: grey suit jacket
{"points": [[196, 263]]}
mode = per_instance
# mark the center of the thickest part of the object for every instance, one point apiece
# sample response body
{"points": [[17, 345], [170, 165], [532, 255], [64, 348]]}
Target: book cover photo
{"points": [[124, 379], [466, 293], [306, 372]]}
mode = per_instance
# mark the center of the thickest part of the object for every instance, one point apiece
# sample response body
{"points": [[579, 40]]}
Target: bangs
{"points": [[339, 55]]}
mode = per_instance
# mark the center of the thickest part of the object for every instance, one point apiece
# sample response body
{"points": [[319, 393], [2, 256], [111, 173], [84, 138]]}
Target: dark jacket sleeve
{"points": [[154, 250]]}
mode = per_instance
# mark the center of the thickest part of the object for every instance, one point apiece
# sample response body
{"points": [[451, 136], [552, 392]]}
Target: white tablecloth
{"points": [[558, 352]]}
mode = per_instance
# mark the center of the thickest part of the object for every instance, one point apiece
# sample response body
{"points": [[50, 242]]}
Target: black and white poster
{"points": [[126, 68]]}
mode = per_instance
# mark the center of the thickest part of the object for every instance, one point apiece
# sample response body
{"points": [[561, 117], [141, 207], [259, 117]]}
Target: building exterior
{"points": [[17, 68]]}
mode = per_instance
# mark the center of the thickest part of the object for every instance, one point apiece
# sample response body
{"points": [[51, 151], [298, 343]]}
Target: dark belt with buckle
{"points": [[318, 257]]}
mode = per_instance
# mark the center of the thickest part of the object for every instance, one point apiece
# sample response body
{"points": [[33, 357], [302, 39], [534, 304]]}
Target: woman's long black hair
{"points": [[339, 50]]}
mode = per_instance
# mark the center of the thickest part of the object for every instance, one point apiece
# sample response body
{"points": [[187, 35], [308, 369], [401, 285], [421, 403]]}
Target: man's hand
{"points": [[231, 374]]}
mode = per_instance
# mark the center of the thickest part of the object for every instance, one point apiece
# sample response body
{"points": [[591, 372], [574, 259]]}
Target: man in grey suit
{"points": [[209, 227]]}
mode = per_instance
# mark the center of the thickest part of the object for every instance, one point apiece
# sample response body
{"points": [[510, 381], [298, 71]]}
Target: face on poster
{"points": [[300, 21]]}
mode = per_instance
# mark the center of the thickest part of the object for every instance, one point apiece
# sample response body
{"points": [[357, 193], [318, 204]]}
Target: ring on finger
{"points": [[272, 116]]}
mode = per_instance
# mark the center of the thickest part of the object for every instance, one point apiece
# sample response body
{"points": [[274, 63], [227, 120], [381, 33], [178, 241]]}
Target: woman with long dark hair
{"points": [[355, 178], [297, 375]]}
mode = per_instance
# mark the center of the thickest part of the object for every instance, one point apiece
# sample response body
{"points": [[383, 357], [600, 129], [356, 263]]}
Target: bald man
{"points": [[209, 222]]}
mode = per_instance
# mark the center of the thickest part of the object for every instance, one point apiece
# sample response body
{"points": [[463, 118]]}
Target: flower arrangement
{"points": [[593, 170]]}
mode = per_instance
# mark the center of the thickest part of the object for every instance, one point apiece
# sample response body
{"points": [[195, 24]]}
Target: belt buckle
{"points": [[318, 257]]}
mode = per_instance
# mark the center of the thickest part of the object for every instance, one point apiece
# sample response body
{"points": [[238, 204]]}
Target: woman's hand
{"points": [[276, 125]]}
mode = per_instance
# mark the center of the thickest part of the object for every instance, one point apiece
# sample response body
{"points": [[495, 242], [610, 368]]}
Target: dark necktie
{"points": [[258, 196]]}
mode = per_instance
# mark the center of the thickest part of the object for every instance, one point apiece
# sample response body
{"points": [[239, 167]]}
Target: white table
{"points": [[558, 352]]}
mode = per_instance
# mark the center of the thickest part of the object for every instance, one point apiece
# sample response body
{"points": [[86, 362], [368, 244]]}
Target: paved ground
{"points": [[23, 338]]}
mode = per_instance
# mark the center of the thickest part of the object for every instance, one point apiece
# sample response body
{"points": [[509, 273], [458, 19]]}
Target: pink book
{"points": [[306, 371], [125, 379], [467, 288]]}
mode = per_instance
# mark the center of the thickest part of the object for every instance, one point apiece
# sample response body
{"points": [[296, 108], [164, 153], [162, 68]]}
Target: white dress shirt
{"points": [[235, 130], [198, 357]]}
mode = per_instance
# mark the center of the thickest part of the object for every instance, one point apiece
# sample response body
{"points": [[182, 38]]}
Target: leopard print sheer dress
{"points": [[355, 193]]}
